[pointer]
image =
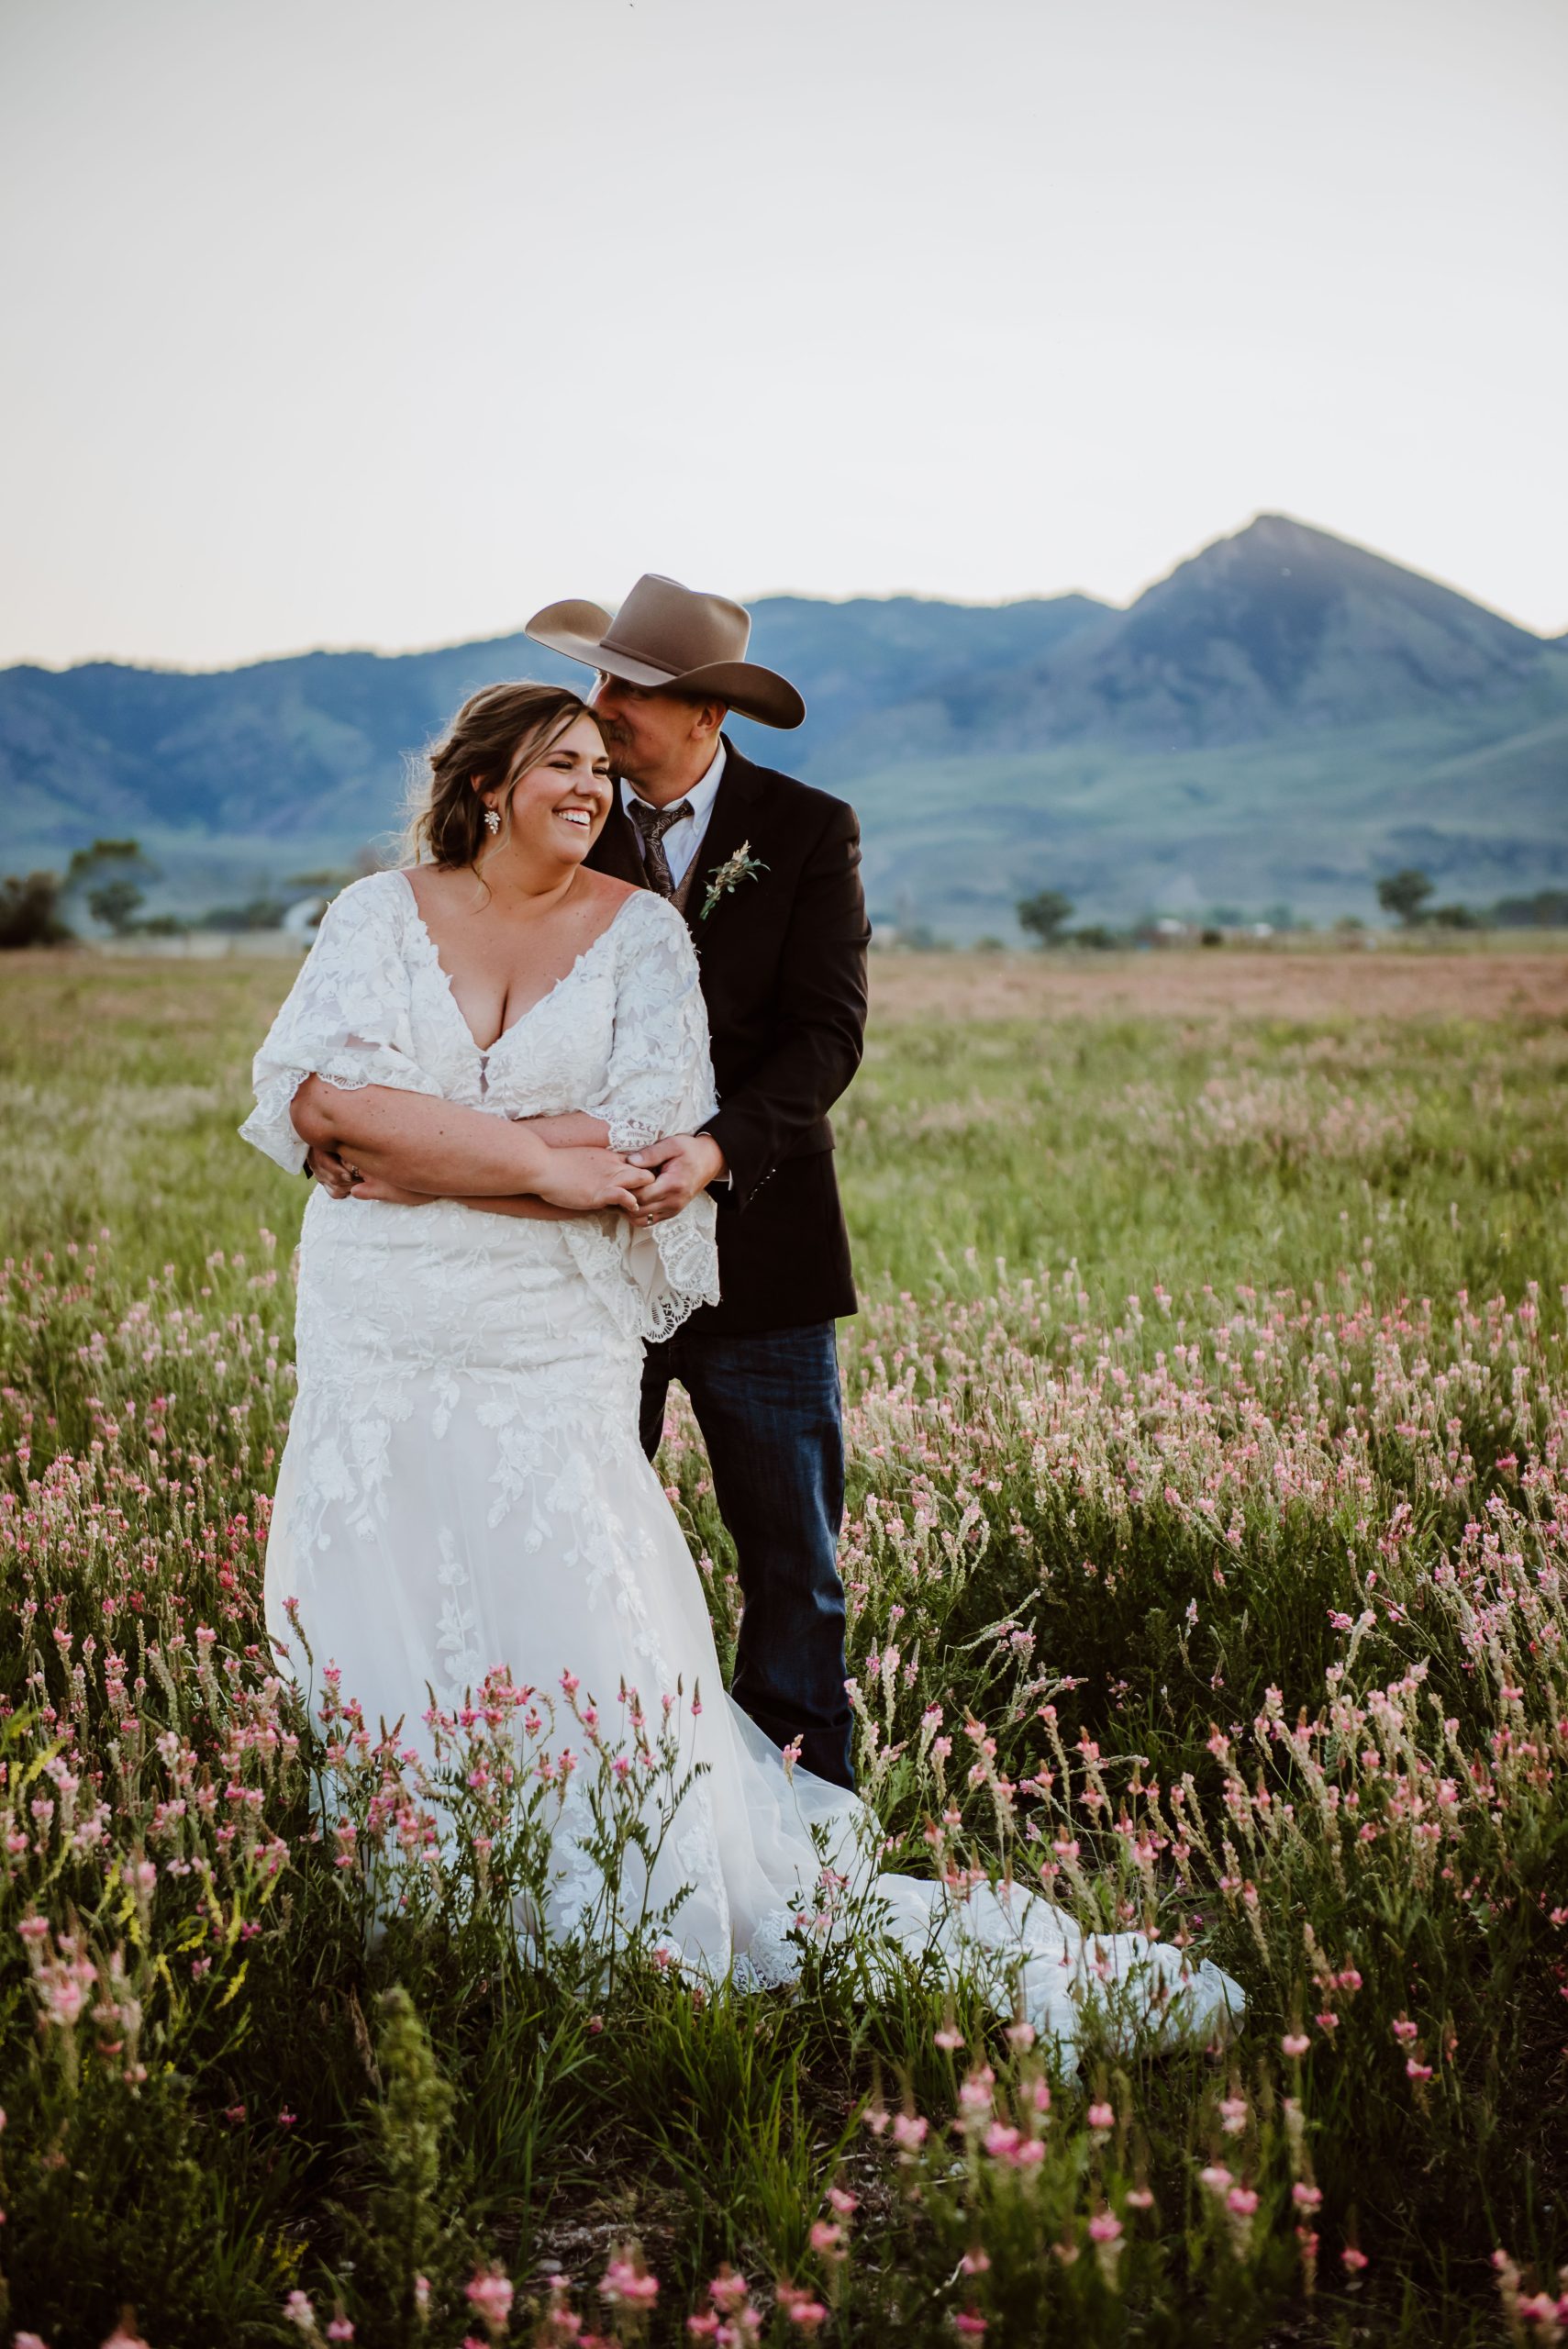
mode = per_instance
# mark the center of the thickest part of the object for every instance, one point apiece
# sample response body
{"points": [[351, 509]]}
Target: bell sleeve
{"points": [[347, 1019], [659, 1081]]}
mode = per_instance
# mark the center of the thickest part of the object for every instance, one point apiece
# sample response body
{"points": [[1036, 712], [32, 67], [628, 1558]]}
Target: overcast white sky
{"points": [[383, 321]]}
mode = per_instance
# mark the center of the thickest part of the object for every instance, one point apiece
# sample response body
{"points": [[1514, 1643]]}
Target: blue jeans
{"points": [[770, 1415]]}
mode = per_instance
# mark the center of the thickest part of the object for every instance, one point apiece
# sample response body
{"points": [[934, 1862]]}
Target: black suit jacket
{"points": [[782, 957]]}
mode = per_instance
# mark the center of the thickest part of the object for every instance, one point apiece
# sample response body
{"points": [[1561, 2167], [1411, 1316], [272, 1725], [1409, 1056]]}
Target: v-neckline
{"points": [[485, 1051]]}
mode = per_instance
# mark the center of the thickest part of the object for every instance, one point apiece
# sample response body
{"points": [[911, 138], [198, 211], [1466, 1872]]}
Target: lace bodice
{"points": [[623, 1036]]}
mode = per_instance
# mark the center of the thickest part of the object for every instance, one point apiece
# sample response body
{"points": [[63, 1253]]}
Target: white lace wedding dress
{"points": [[462, 1486]]}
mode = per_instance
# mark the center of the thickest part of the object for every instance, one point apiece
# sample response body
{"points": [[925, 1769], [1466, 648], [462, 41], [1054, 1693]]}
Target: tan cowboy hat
{"points": [[665, 634]]}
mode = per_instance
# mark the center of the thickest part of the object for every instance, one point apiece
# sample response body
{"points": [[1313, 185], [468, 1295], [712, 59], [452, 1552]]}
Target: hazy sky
{"points": [[383, 322]]}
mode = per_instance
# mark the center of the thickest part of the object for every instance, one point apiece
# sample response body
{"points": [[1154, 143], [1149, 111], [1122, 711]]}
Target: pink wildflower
{"points": [[1352, 2260], [490, 2296], [974, 2096], [626, 2285]]}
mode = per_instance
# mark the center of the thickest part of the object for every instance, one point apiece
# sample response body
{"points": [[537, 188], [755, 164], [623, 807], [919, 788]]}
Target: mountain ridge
{"points": [[1278, 653]]}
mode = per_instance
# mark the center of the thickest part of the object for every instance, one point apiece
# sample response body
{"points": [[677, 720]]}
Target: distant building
{"points": [[302, 918]]}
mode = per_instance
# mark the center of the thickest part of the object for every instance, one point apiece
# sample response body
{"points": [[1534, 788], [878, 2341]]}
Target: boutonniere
{"points": [[742, 866]]}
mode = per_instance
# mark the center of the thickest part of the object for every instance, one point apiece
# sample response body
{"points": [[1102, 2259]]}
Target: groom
{"points": [[766, 873]]}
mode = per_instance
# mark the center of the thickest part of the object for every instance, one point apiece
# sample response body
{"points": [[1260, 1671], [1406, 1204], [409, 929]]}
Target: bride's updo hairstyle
{"points": [[496, 730]]}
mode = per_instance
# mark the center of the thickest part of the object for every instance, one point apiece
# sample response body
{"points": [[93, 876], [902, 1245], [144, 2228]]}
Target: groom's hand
{"points": [[686, 1165]]}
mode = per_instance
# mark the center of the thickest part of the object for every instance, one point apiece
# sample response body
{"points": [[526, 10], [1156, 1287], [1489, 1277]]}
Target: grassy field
{"points": [[1207, 1424]]}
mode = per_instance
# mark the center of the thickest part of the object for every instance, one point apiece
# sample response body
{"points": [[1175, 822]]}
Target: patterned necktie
{"points": [[652, 823]]}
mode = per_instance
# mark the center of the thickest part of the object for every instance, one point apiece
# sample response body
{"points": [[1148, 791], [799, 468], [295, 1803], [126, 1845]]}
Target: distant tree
{"points": [[114, 905], [1454, 917], [1548, 909], [105, 876], [1405, 893], [1044, 914], [87, 862], [262, 913], [30, 910]]}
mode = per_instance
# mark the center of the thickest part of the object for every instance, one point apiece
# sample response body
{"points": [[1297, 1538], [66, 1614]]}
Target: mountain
{"points": [[317, 745], [1280, 630], [1283, 717], [1281, 720]]}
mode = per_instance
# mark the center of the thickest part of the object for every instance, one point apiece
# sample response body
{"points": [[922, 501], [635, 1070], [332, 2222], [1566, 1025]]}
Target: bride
{"points": [[483, 1036]]}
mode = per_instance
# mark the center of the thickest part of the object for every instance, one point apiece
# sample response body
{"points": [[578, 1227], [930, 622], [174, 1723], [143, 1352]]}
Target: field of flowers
{"points": [[1207, 1556]]}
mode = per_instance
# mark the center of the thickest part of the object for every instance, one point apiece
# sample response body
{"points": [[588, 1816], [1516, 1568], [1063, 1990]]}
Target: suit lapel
{"points": [[739, 803], [732, 824]]}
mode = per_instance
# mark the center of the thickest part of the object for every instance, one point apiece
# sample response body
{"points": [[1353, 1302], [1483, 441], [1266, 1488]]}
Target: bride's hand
{"points": [[589, 1180]]}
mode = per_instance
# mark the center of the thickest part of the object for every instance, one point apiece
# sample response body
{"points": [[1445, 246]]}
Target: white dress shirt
{"points": [[682, 840]]}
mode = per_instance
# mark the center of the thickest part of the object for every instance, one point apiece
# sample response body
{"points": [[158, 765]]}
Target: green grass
{"points": [[1268, 1152], [1233, 1497], [1272, 1154]]}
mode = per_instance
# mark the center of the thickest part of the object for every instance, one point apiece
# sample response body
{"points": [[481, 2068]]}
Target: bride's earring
{"points": [[492, 822]]}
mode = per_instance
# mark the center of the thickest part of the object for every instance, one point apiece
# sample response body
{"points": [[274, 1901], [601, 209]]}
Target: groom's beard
{"points": [[615, 743]]}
